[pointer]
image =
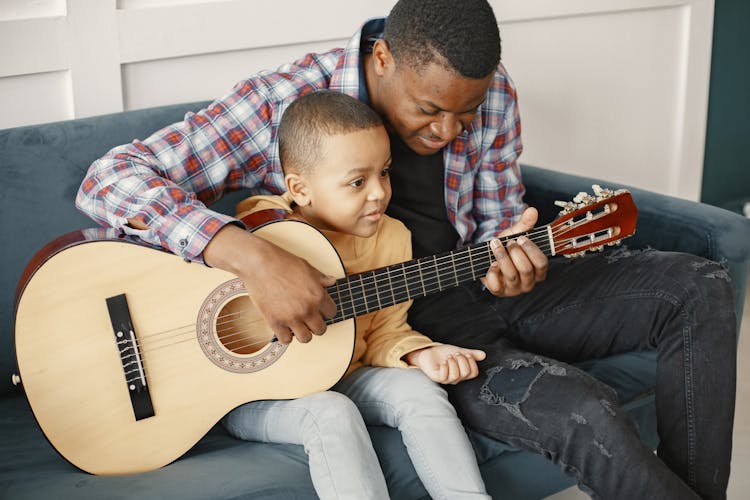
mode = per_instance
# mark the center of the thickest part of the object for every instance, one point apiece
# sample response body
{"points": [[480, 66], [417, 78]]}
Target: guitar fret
{"points": [[363, 297], [423, 276], [339, 303], [382, 287], [401, 291], [471, 265], [437, 273], [377, 292], [367, 291], [353, 303], [406, 281], [453, 263], [390, 284]]}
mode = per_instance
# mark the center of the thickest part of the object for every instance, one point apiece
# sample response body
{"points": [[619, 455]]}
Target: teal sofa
{"points": [[42, 167]]}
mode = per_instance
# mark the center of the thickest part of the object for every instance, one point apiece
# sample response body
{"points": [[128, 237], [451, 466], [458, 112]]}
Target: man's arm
{"points": [[287, 290], [498, 204], [158, 189], [166, 180]]}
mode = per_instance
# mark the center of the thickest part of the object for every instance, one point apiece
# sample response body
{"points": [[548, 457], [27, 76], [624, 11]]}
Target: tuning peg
{"points": [[567, 206]]}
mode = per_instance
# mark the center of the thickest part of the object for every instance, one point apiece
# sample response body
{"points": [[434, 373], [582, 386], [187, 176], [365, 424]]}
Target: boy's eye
{"points": [[385, 172], [357, 182]]}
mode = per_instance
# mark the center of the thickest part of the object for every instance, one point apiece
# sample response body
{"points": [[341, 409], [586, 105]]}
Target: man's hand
{"points": [[446, 364], [288, 291], [520, 264]]}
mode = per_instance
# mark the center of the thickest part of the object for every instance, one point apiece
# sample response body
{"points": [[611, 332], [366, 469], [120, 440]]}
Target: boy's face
{"points": [[426, 108], [349, 190]]}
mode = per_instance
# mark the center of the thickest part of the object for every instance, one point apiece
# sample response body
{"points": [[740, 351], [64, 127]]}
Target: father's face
{"points": [[427, 107]]}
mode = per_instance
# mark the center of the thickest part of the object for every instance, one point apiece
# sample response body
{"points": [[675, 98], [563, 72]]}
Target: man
{"points": [[433, 73]]}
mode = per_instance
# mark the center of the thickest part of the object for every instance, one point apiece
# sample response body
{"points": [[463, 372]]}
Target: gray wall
{"points": [[726, 173]]}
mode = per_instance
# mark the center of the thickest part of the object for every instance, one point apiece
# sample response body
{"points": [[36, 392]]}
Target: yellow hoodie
{"points": [[383, 337]]}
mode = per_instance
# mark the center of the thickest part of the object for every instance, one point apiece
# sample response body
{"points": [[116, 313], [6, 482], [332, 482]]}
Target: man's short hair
{"points": [[313, 116], [461, 33]]}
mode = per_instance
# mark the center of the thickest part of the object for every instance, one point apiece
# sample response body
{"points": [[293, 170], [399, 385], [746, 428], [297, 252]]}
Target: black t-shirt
{"points": [[419, 199]]}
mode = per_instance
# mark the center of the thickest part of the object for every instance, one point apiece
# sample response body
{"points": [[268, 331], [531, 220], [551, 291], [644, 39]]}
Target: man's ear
{"points": [[297, 186], [382, 57]]}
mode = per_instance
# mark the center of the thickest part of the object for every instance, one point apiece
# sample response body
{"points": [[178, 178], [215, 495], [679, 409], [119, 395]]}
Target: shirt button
{"points": [[183, 242]]}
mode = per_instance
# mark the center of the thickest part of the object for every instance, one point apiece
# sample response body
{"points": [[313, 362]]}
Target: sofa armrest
{"points": [[664, 222]]}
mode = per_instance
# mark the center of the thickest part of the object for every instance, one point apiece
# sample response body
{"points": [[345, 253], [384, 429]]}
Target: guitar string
{"points": [[409, 271], [481, 248], [532, 235], [351, 304], [535, 235]]}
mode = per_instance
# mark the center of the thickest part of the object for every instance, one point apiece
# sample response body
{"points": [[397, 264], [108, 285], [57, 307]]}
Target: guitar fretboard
{"points": [[371, 291]]}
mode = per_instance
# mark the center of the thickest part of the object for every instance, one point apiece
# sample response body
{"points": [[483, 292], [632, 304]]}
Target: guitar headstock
{"points": [[590, 222]]}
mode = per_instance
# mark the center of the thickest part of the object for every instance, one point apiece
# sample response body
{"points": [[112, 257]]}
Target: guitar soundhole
{"points": [[239, 327], [233, 334]]}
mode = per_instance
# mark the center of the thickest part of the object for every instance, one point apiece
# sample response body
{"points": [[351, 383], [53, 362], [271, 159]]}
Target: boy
{"points": [[336, 158]]}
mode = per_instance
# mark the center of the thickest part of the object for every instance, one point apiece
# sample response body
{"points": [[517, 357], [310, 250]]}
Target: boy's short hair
{"points": [[313, 116], [461, 33]]}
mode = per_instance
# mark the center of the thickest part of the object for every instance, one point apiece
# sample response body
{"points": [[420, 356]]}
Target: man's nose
{"points": [[446, 127]]}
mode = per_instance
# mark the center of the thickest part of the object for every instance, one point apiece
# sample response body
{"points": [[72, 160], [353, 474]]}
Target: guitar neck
{"points": [[373, 290]]}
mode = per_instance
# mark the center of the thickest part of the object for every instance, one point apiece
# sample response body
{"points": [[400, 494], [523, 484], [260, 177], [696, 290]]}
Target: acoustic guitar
{"points": [[129, 355]]}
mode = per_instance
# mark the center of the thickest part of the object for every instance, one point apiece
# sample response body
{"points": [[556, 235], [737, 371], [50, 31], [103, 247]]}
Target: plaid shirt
{"points": [[168, 179]]}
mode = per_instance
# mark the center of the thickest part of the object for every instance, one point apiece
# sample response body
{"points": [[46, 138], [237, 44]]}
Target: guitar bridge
{"points": [[130, 356]]}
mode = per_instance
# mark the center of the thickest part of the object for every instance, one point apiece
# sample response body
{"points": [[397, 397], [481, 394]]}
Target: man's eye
{"points": [[428, 113]]}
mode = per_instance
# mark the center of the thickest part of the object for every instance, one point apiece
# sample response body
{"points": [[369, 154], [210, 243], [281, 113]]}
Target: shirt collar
{"points": [[371, 31], [349, 76]]}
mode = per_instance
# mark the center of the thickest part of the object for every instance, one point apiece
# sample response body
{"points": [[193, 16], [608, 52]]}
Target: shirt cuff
{"points": [[406, 346], [188, 232]]}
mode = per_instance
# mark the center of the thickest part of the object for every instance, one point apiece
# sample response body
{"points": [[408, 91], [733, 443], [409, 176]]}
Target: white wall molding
{"points": [[94, 67], [30, 46]]}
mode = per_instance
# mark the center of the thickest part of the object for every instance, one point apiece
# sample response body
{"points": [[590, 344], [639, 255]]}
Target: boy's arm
{"points": [[391, 342], [447, 364]]}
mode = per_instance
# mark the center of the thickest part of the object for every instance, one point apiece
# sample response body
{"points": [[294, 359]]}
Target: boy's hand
{"points": [[520, 264], [447, 364]]}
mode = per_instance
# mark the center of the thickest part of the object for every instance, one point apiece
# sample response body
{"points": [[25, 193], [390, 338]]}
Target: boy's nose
{"points": [[376, 193]]}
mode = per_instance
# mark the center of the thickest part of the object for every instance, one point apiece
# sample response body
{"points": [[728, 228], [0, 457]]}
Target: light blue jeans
{"points": [[331, 426]]}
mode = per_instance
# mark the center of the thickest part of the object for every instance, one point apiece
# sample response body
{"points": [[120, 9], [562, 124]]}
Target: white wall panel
{"points": [[37, 98], [33, 46], [609, 88], [613, 89]]}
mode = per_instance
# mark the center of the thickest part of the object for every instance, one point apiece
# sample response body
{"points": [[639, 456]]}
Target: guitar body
{"points": [[194, 366]]}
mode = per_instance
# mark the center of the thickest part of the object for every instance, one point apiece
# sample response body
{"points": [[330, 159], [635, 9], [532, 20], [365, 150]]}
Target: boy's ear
{"points": [[298, 188]]}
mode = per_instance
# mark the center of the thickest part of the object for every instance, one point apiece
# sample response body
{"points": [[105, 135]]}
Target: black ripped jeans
{"points": [[528, 395]]}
